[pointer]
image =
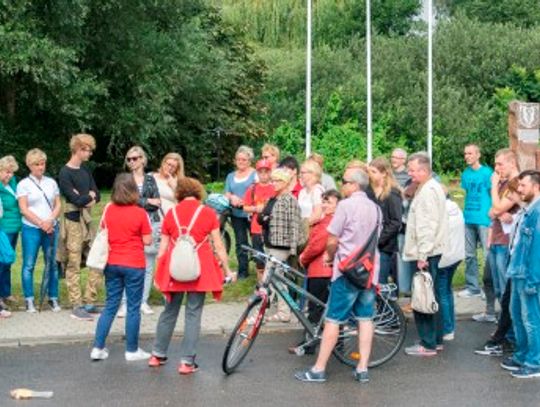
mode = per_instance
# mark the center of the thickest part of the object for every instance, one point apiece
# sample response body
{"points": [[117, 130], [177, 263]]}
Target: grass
{"points": [[232, 292]]}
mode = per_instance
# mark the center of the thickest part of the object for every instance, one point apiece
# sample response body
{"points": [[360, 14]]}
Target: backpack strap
{"points": [[102, 223], [187, 230]]}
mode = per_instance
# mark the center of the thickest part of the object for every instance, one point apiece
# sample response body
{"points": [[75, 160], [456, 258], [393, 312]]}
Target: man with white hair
{"points": [[398, 159], [427, 230], [354, 221]]}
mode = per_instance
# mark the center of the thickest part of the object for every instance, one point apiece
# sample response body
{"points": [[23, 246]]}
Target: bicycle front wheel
{"points": [[390, 331], [243, 335]]}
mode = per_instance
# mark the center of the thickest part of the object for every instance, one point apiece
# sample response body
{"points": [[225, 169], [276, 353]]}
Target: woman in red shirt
{"points": [[189, 193], [318, 273], [129, 231]]}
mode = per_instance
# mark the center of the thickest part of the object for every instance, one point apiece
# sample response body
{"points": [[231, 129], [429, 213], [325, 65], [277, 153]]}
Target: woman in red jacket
{"points": [[205, 232], [311, 259]]}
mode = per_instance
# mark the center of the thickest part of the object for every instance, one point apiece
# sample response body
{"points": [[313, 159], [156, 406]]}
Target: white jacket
{"points": [[427, 223], [454, 250]]}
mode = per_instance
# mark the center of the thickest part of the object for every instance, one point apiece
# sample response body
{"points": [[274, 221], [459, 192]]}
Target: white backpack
{"points": [[184, 264], [423, 295]]}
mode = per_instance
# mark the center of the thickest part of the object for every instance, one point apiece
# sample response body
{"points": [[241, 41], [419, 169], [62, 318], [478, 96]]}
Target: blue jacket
{"points": [[525, 258]]}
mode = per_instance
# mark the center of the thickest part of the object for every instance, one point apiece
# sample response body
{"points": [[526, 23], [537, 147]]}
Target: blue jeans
{"points": [[525, 311], [429, 326], [405, 268], [385, 267], [498, 261], [446, 297], [118, 278], [241, 231], [32, 240], [5, 269], [474, 235]]}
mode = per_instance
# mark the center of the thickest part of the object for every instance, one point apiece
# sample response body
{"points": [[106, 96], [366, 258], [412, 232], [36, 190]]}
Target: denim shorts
{"points": [[346, 300]]}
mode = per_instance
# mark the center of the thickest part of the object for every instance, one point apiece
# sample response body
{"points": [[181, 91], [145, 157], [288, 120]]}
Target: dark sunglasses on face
{"points": [[132, 159]]}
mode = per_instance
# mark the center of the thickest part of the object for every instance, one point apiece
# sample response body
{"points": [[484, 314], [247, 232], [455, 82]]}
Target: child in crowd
{"points": [[254, 201]]}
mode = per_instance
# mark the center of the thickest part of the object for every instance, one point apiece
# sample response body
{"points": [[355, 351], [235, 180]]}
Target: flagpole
{"points": [[368, 79], [308, 81], [430, 80]]}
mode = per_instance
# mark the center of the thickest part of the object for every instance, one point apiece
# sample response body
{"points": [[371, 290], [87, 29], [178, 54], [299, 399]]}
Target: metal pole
{"points": [[308, 81], [368, 79], [430, 80]]}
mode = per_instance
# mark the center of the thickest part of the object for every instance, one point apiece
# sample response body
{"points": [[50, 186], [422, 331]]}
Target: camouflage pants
{"points": [[74, 247]]}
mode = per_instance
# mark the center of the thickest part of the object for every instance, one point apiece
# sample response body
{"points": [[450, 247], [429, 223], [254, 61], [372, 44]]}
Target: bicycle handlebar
{"points": [[271, 259]]}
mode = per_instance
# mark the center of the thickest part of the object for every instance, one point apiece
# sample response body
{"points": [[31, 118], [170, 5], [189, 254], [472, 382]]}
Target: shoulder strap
{"points": [[43, 192], [194, 218], [102, 223]]}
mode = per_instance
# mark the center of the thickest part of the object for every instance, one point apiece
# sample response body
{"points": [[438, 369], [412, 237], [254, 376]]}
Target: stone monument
{"points": [[524, 133]]}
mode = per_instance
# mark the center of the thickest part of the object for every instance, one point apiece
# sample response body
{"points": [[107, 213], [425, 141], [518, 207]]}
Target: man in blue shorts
{"points": [[354, 221]]}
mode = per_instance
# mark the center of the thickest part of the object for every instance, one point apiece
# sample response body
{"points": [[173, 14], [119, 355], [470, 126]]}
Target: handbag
{"points": [[423, 294], [7, 254], [99, 251], [359, 266]]}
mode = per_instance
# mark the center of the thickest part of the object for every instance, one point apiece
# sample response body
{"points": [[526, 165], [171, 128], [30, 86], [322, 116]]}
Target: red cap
{"points": [[263, 164]]}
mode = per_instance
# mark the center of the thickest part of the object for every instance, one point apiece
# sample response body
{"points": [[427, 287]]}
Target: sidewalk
{"points": [[218, 318]]}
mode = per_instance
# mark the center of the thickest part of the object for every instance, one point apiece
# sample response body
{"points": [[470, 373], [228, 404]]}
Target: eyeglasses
{"points": [[133, 159], [87, 150], [346, 181], [266, 157], [397, 158], [276, 180]]}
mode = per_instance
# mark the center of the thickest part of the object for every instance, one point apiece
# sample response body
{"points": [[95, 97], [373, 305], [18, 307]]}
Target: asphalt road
{"points": [[455, 378]]}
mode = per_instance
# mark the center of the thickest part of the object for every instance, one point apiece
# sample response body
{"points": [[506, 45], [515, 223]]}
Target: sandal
{"points": [[278, 318]]}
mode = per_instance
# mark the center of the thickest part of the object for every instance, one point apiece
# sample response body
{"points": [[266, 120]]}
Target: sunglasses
{"points": [[132, 159]]}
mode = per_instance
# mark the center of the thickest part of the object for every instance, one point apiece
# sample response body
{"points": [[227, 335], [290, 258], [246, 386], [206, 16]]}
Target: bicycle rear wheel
{"points": [[390, 330], [243, 335]]}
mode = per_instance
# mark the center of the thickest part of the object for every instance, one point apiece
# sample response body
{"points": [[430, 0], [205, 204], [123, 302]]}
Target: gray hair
{"points": [[400, 151], [247, 151], [422, 158], [360, 178]]}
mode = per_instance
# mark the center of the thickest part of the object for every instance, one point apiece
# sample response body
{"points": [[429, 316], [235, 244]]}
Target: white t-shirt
{"points": [[308, 200], [166, 194], [36, 199]]}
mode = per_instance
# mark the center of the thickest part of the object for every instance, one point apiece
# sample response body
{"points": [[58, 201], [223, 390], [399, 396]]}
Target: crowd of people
{"points": [[294, 212]]}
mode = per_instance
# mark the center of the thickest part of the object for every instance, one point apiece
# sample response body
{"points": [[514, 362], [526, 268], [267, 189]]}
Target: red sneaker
{"points": [[187, 368], [156, 361]]}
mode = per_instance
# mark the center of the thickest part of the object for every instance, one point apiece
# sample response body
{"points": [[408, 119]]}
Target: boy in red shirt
{"points": [[254, 201]]}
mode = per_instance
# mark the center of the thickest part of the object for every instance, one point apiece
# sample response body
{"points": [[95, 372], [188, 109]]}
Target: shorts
{"points": [[346, 300], [258, 244]]}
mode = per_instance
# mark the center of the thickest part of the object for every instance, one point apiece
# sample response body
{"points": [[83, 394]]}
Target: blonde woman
{"points": [[236, 185], [39, 203], [310, 196], [149, 199], [270, 153], [10, 223], [384, 191], [170, 171]]}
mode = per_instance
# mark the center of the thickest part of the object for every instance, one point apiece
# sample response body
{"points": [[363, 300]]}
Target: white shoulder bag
{"points": [[99, 252]]}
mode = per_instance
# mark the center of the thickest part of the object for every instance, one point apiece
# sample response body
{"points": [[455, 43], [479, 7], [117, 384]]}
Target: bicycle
{"points": [[390, 323], [220, 204]]}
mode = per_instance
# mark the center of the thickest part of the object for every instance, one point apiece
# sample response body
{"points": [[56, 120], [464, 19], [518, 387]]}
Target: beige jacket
{"points": [[427, 224]]}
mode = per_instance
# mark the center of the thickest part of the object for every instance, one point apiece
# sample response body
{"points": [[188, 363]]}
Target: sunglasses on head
{"points": [[132, 159]]}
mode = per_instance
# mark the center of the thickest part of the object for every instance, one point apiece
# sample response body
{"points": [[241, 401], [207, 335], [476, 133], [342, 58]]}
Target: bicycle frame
{"points": [[274, 279]]}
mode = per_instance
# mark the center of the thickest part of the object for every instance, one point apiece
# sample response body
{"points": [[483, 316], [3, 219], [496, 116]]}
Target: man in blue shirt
{"points": [[476, 181], [524, 271]]}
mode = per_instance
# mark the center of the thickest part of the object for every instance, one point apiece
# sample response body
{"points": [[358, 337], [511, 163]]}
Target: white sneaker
{"points": [[122, 311], [136, 356], [483, 317], [145, 309], [30, 308], [448, 337], [4, 313], [99, 354], [466, 293]]}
